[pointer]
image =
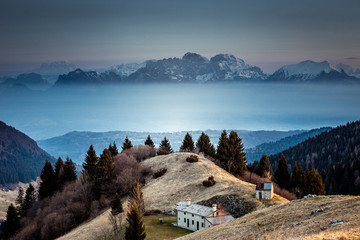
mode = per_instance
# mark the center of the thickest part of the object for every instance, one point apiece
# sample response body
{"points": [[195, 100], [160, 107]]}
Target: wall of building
{"points": [[265, 194], [193, 219]]}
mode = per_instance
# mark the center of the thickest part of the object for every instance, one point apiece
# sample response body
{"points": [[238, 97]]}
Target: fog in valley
{"points": [[179, 107]]}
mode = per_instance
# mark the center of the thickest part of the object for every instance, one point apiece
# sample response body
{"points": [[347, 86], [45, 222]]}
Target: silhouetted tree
{"points": [[297, 178], [204, 145], [90, 163], [222, 152], [282, 175], [315, 183], [113, 149], [11, 224], [165, 147], [19, 199], [149, 142], [69, 171], [116, 205], [105, 172], [126, 144], [48, 182], [237, 159], [136, 227], [187, 144], [59, 173], [264, 168], [28, 200]]}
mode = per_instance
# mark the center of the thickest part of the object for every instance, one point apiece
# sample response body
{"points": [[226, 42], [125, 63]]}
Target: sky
{"points": [[98, 33]]}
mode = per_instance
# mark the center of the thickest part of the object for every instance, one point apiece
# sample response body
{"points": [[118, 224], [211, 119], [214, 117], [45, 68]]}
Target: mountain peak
{"points": [[194, 57]]}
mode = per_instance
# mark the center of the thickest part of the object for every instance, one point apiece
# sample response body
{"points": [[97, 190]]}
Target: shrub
{"points": [[152, 212], [192, 158], [159, 173], [141, 152], [210, 182]]}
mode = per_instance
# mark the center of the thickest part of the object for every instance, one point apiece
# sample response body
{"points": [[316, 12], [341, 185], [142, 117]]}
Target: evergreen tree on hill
{"points": [[204, 145], [297, 178], [165, 147], [90, 163], [149, 142], [59, 173], [116, 205], [104, 173], [282, 175], [187, 144], [264, 169], [126, 144], [136, 197], [315, 183], [11, 224], [48, 182], [136, 227], [28, 200], [113, 149], [222, 152], [69, 171], [237, 159], [19, 199]]}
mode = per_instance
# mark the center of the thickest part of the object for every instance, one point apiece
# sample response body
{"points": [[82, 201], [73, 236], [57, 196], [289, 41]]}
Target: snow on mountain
{"points": [[193, 67], [125, 70], [309, 70], [348, 69]]}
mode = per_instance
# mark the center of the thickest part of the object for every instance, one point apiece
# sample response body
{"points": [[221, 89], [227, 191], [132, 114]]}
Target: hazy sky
{"points": [[102, 33]]}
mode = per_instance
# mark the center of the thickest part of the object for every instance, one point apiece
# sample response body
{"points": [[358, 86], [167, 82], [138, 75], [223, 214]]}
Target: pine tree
{"points": [[282, 175], [90, 163], [113, 149], [136, 227], [165, 147], [237, 159], [305, 188], [315, 183], [19, 199], [297, 178], [136, 196], [149, 142], [204, 145], [48, 182], [69, 171], [222, 153], [28, 200], [11, 224], [59, 173], [126, 144], [104, 173], [264, 169], [187, 144], [116, 205]]}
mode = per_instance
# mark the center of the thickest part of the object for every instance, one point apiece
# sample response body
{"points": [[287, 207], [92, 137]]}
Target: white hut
{"points": [[264, 191], [195, 217]]}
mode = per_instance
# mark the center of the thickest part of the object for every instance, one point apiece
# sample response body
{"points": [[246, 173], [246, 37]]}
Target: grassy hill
{"points": [[181, 181], [293, 221]]}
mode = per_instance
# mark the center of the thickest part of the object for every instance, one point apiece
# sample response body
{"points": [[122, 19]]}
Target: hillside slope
{"points": [[181, 181], [293, 221], [21, 160]]}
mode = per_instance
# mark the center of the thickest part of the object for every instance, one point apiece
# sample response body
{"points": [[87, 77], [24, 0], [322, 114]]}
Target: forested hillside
{"points": [[20, 157], [254, 154], [335, 154]]}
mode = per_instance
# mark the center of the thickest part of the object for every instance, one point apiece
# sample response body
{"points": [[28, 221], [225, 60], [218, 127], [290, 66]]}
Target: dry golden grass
{"points": [[279, 222], [8, 196], [181, 181]]}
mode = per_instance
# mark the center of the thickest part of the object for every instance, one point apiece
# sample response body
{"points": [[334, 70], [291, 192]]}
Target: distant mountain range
{"points": [[193, 68], [75, 144], [20, 157], [32, 81]]}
